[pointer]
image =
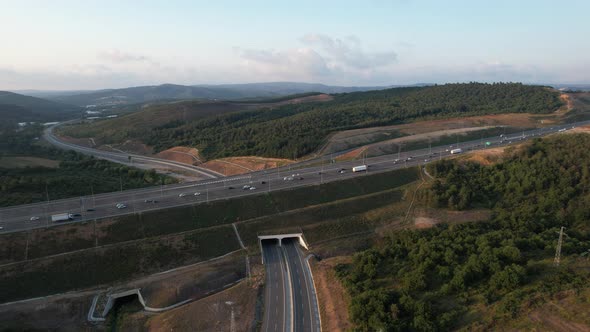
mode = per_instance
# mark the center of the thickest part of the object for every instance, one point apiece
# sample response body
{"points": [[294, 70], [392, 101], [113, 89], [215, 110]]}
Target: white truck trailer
{"points": [[456, 151], [359, 168], [61, 217]]}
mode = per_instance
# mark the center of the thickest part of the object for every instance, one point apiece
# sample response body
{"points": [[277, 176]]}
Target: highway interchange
{"points": [[314, 172]]}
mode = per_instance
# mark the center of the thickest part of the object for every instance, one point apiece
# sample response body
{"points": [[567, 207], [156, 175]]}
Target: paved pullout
{"points": [[18, 218]]}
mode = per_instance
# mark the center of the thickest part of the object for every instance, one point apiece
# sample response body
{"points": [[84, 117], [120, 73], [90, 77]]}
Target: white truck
{"points": [[61, 217], [456, 151], [359, 168]]}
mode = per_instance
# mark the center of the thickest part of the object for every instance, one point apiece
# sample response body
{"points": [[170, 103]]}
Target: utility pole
{"points": [[93, 199], [558, 249]]}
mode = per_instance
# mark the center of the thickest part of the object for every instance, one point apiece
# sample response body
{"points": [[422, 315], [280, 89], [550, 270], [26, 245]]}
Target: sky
{"points": [[86, 44]]}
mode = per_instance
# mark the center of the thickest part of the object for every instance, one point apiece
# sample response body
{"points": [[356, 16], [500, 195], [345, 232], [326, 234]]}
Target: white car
{"points": [[34, 218], [197, 194], [246, 187], [1, 228], [252, 188], [121, 206], [181, 195]]}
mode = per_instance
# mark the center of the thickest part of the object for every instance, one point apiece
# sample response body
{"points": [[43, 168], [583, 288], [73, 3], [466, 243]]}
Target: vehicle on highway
{"points": [[263, 182], [456, 151], [1, 228], [90, 210], [61, 217], [288, 178], [121, 206], [359, 168], [301, 178], [341, 171], [181, 194], [197, 194], [34, 218], [409, 159], [230, 187], [75, 215], [252, 188], [147, 200], [246, 187]]}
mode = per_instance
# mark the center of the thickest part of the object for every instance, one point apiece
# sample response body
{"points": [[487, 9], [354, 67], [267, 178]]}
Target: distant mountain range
{"points": [[15, 108], [143, 94]]}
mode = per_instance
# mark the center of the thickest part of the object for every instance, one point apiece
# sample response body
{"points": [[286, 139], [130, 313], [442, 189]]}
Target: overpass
{"points": [[279, 238]]}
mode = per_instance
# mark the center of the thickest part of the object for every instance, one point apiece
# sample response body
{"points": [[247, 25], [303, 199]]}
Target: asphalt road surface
{"points": [[320, 171], [290, 301], [305, 307], [277, 297]]}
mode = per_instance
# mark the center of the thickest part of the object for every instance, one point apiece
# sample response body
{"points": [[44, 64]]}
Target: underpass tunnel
{"points": [[280, 240], [269, 242]]}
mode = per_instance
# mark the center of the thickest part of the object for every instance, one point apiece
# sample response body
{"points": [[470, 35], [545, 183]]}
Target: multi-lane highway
{"points": [[311, 173], [290, 301]]}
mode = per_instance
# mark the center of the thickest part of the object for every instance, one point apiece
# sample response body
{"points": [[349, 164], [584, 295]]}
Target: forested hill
{"points": [[297, 130], [481, 276], [300, 129], [20, 108]]}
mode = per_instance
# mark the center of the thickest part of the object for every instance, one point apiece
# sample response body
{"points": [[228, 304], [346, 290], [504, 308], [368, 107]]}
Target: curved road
{"points": [[290, 298], [123, 158], [18, 218]]}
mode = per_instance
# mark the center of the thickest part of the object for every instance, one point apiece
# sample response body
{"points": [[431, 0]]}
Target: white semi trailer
{"points": [[359, 168], [61, 217], [456, 151]]}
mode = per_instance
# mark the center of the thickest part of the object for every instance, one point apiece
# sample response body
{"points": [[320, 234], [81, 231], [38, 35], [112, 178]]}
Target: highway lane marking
{"points": [[374, 160]]}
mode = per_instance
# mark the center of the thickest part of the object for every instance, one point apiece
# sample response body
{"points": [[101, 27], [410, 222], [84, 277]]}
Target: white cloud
{"points": [[348, 52], [321, 59], [118, 56]]}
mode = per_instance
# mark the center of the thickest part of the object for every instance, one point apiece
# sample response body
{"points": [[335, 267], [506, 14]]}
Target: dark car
{"points": [[90, 210], [76, 215], [263, 182], [230, 187]]}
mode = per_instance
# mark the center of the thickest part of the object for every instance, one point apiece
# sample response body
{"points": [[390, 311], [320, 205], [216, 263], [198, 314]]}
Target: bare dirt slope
{"points": [[181, 154], [65, 312], [333, 298], [241, 165]]}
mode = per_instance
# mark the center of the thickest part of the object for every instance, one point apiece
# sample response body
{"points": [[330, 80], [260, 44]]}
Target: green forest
{"points": [[475, 275], [76, 175], [296, 130]]}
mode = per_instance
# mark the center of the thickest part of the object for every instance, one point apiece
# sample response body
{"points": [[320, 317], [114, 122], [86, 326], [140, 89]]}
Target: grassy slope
{"points": [[135, 245], [140, 123]]}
